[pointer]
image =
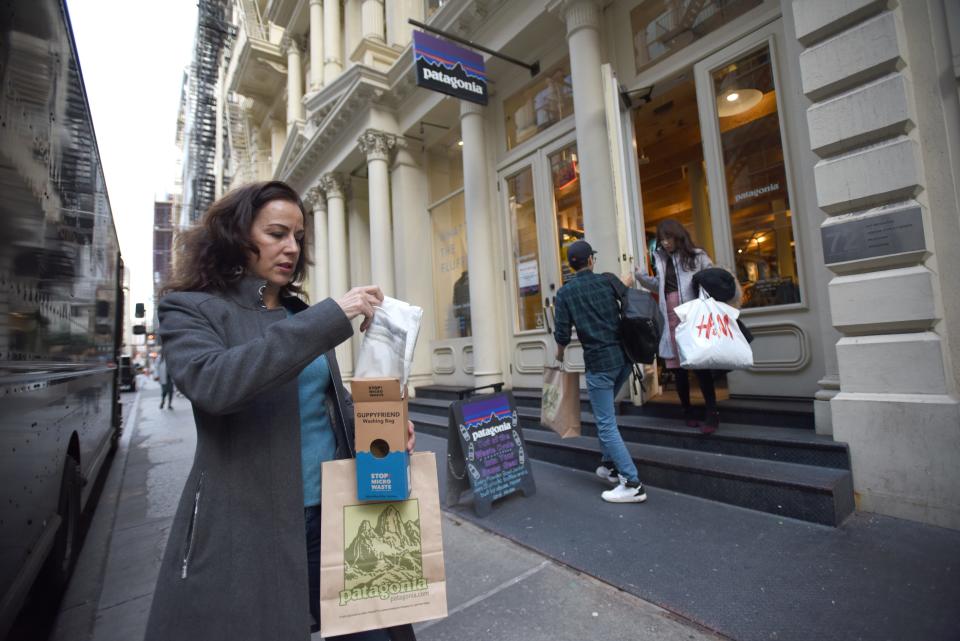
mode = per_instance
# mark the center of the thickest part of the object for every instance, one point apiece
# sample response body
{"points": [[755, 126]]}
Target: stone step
{"points": [[771, 412], [806, 492], [790, 445]]}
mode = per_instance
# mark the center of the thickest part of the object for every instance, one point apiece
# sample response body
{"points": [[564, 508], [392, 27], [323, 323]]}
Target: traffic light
{"points": [[140, 311]]}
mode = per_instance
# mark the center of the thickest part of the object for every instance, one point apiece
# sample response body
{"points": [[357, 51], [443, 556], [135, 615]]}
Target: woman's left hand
{"points": [[412, 441]]}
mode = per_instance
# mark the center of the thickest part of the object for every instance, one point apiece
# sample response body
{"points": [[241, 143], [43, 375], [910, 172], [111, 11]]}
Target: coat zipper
{"points": [[192, 531]]}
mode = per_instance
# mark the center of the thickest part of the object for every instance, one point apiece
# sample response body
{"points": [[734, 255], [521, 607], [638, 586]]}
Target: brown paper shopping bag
{"points": [[381, 563], [560, 404]]}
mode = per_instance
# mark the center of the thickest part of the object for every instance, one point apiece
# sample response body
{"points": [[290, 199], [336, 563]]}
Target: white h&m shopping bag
{"points": [[708, 336]]}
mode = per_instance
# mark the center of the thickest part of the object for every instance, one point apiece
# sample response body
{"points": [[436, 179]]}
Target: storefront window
{"points": [[450, 279], [445, 169], [759, 202], [673, 181], [526, 253], [565, 180], [545, 102], [661, 27]]}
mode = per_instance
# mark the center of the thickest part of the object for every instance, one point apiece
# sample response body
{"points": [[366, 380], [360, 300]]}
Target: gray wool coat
{"points": [[235, 566], [684, 287]]}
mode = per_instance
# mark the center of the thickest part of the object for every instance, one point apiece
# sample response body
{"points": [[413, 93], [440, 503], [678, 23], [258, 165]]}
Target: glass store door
{"points": [[541, 201], [754, 223], [712, 153]]}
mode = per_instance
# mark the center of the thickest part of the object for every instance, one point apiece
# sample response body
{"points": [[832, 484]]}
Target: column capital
{"points": [[335, 185], [577, 14], [403, 156], [376, 145], [468, 108], [291, 43], [314, 197]]}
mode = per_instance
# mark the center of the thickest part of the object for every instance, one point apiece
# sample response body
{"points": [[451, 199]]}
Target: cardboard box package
{"points": [[380, 423]]}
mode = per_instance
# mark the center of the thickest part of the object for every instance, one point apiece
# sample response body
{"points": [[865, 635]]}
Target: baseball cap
{"points": [[578, 252]]}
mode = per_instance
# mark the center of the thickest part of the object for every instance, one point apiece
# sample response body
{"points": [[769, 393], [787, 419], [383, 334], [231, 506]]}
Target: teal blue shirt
{"points": [[317, 442]]}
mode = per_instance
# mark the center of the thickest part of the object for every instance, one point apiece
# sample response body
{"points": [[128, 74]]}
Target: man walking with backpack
{"points": [[589, 302]]}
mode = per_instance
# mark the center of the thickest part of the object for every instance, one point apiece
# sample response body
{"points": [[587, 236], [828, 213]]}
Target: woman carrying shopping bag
{"points": [[258, 365], [677, 260]]}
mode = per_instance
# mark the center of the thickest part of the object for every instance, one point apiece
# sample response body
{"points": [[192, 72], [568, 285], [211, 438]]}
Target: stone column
{"points": [[582, 18], [293, 47], [358, 235], [316, 45], [320, 252], [412, 235], [335, 186], [883, 125], [332, 42], [278, 140], [480, 261], [376, 146], [372, 19]]}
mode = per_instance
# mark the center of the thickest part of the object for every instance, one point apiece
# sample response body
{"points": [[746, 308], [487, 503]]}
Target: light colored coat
{"points": [[684, 287]]}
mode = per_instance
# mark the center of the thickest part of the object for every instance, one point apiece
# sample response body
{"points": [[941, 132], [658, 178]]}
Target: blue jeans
{"points": [[603, 387], [312, 517]]}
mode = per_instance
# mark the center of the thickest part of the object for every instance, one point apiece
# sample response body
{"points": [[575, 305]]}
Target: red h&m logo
{"points": [[708, 329]]}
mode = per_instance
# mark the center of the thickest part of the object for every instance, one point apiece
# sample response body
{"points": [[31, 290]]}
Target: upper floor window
{"points": [[661, 27], [432, 6], [546, 101]]}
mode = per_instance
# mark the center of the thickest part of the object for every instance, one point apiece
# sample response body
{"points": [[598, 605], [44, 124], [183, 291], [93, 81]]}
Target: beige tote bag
{"points": [[381, 563]]}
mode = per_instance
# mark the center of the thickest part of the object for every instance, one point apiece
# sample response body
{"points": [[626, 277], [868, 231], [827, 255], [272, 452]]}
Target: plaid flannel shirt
{"points": [[588, 302]]}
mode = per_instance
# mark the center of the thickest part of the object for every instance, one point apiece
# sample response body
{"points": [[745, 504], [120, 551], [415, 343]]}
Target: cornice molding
{"points": [[350, 96]]}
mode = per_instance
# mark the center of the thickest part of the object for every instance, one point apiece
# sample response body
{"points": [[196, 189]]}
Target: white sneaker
{"points": [[608, 473], [625, 493]]}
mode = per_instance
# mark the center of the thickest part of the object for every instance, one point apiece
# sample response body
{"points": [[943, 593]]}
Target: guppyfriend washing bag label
{"points": [[380, 401]]}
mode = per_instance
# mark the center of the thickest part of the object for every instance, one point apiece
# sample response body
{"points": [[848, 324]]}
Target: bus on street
{"points": [[61, 305]]}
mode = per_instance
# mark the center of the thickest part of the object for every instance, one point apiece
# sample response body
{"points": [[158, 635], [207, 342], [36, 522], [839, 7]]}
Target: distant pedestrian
{"points": [[141, 379], [258, 365], [588, 302], [677, 261], [166, 383]]}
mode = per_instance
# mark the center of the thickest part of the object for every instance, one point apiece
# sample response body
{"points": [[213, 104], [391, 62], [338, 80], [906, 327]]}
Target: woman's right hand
{"points": [[360, 301]]}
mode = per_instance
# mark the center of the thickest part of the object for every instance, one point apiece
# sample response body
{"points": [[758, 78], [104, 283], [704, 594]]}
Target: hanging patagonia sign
{"points": [[442, 66]]}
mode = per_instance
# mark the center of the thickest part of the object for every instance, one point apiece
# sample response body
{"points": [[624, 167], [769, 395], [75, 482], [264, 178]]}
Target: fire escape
{"points": [[214, 33]]}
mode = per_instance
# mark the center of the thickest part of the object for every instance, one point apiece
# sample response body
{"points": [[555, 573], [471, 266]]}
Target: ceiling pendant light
{"points": [[733, 99]]}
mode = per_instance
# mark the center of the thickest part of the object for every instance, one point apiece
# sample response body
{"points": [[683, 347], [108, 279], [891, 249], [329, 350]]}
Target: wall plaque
{"points": [[878, 235]]}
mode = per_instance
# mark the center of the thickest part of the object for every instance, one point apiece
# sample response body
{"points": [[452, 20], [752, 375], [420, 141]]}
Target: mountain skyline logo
{"points": [[453, 80], [382, 550]]}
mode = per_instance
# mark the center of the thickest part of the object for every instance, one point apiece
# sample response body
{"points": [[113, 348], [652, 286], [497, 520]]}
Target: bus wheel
{"points": [[63, 557]]}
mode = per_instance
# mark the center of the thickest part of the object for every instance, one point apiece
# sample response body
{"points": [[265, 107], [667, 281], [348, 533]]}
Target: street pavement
{"points": [[496, 589]]}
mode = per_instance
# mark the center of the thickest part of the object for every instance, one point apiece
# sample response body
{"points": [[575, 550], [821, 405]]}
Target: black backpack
{"points": [[641, 323]]}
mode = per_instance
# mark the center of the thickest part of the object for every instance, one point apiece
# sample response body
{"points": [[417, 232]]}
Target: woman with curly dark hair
{"points": [[677, 261], [258, 365]]}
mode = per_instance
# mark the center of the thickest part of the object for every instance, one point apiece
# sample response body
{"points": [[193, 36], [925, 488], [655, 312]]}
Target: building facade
{"points": [[810, 146]]}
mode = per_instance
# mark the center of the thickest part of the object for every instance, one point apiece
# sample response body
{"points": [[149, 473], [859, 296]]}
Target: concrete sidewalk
{"points": [[496, 588]]}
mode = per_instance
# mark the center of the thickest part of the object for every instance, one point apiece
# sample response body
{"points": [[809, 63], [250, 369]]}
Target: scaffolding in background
{"points": [[214, 34]]}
